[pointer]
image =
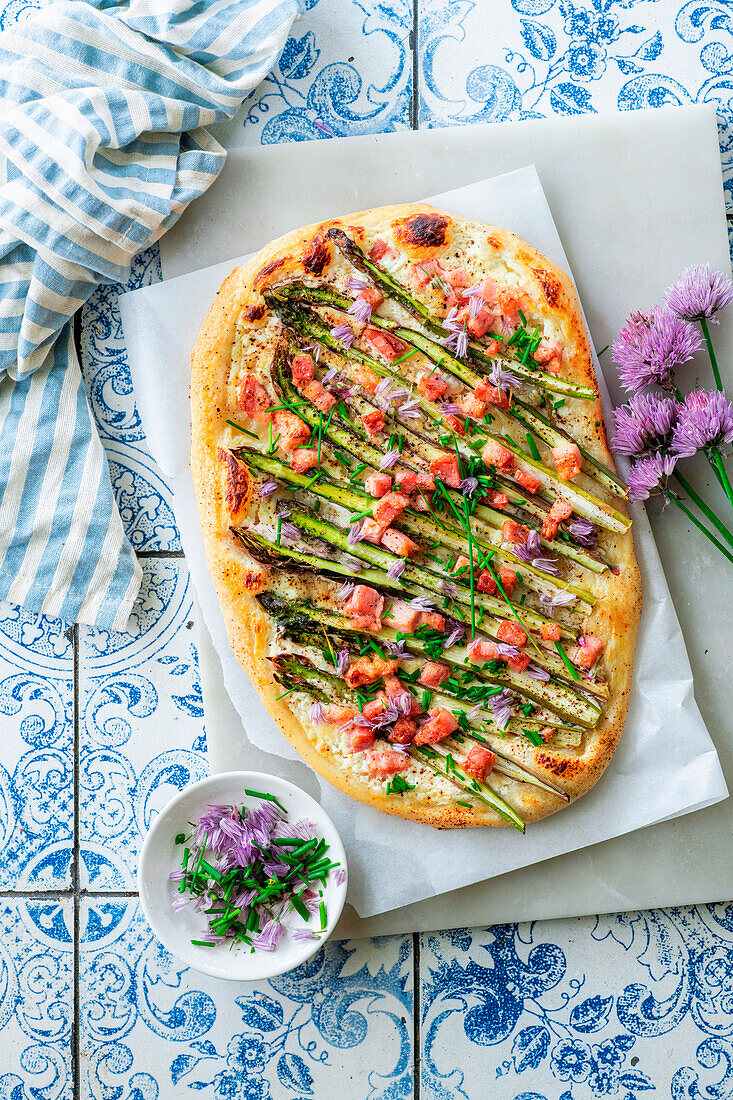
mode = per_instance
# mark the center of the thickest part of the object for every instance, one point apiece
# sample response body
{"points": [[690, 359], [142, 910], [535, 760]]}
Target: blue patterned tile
{"points": [[141, 736], [581, 1009], [340, 1025], [37, 765], [36, 974], [537, 58], [346, 70]]}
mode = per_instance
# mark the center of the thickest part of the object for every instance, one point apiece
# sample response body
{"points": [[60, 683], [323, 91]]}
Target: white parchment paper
{"points": [[666, 764]]}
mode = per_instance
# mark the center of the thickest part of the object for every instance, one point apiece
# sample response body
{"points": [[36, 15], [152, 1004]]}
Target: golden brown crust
{"points": [[222, 493]]}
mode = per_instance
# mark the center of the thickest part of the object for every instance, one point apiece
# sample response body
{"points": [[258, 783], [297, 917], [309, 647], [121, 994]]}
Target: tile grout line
{"points": [[414, 99], [75, 874], [416, 1013]]}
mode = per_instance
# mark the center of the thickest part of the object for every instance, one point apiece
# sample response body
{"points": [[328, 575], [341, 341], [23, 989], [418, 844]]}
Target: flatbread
{"points": [[241, 336]]}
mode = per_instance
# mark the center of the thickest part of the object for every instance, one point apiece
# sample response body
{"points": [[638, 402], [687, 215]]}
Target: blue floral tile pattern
{"points": [[36, 992], [36, 764], [537, 58], [578, 1010], [346, 70], [340, 1025], [141, 737]]}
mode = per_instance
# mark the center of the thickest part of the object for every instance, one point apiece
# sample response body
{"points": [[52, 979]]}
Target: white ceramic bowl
{"points": [[160, 856]]}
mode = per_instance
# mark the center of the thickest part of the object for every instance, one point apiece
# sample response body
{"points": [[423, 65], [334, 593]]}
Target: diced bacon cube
{"points": [[462, 566], [510, 305], [379, 250], [586, 655], [373, 422], [383, 763], [426, 482], [527, 480], [485, 582], [549, 356], [393, 686], [383, 343], [479, 762], [455, 424], [387, 509], [316, 392], [434, 620], [420, 274], [446, 468], [496, 499], [254, 400], [302, 367], [363, 376], [432, 386], [492, 395], [559, 511], [508, 579], [402, 731], [440, 725], [479, 325], [304, 459], [511, 633], [471, 405], [334, 713], [368, 669], [433, 674], [406, 481], [551, 632], [418, 502], [567, 459], [402, 616], [371, 295], [481, 650], [375, 707], [365, 603], [456, 278], [398, 543], [518, 663], [371, 531], [378, 484], [360, 739], [547, 733], [513, 532], [494, 454], [291, 429]]}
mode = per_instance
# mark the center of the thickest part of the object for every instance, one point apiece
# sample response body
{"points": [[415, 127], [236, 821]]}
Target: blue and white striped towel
{"points": [[102, 114]]}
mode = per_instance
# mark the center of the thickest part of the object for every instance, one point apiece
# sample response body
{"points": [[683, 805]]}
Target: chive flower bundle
{"points": [[252, 873], [659, 427]]}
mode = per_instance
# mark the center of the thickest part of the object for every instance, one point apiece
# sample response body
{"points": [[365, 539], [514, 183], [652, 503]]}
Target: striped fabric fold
{"points": [[103, 109]]}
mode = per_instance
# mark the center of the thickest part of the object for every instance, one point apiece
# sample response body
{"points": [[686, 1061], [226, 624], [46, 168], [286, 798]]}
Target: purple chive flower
{"points": [[646, 474], [304, 934], [360, 310], [354, 564], [396, 570], [356, 284], [551, 601], [651, 345], [422, 603], [644, 423], [474, 712], [410, 410], [457, 341], [389, 460], [316, 715], [469, 485], [546, 565], [404, 702], [504, 650], [448, 588], [268, 488], [282, 514], [290, 532], [449, 408], [584, 532], [455, 636], [339, 876], [504, 379], [270, 936], [342, 661], [501, 707], [354, 536], [537, 673], [345, 591], [705, 420], [344, 334], [321, 125], [699, 292], [383, 387], [396, 649], [329, 376]]}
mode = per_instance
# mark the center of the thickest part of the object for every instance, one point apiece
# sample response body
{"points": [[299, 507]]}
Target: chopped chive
{"points": [[324, 916], [202, 943], [566, 660], [533, 736], [267, 798], [252, 435], [299, 907], [460, 802], [396, 362], [532, 446], [180, 838]]}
